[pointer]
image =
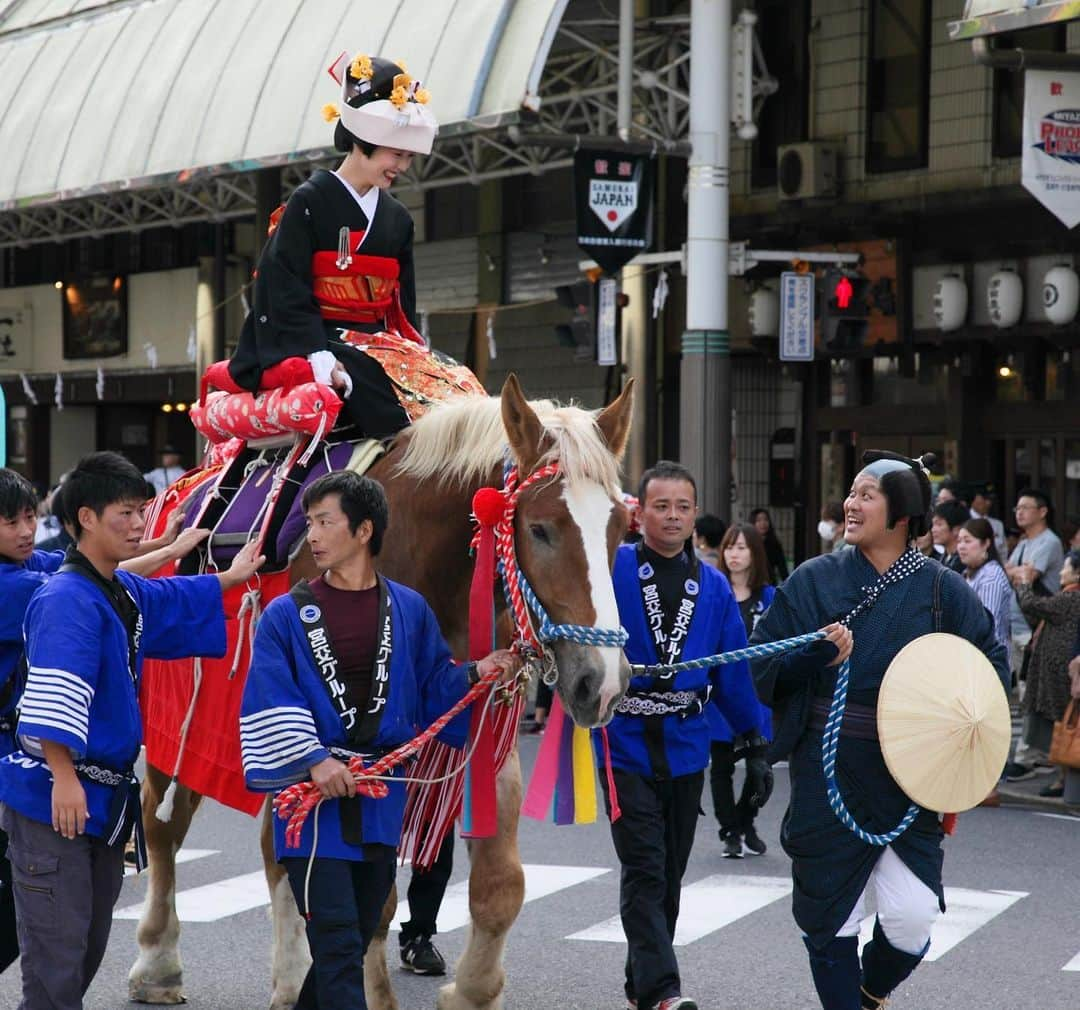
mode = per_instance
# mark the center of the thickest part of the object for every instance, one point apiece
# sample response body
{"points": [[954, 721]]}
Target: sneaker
{"points": [[1016, 772], [422, 957], [676, 1003], [754, 842], [1052, 792], [732, 844]]}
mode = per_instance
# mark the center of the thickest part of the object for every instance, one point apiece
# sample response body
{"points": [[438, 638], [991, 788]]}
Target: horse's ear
{"points": [[614, 420], [523, 428]]}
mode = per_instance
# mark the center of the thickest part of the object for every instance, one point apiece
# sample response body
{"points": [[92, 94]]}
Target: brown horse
{"points": [[566, 532]]}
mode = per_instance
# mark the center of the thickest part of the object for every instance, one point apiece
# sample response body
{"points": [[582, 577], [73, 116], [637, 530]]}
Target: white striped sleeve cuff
{"points": [[275, 739], [56, 705]]}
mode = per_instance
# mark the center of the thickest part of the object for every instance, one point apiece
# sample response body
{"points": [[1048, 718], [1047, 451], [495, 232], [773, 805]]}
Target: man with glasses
{"points": [[1039, 551]]}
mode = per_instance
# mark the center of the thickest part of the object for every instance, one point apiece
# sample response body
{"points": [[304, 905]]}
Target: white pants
{"points": [[906, 907]]}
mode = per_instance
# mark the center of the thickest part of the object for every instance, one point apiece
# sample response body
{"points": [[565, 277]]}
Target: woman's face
{"points": [[1069, 575], [971, 549], [761, 523], [384, 165], [737, 556]]}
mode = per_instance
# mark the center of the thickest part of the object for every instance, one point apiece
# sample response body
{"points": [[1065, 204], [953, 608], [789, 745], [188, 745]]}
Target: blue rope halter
{"points": [[829, 739]]}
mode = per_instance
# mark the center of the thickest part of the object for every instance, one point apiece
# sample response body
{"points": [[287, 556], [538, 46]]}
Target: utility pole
{"points": [[705, 376]]}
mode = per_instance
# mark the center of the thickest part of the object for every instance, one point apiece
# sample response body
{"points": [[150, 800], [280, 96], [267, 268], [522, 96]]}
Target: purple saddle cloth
{"points": [[237, 511]]}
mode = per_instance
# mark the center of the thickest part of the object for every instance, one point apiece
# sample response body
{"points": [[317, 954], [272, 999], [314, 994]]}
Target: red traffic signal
{"points": [[843, 292]]}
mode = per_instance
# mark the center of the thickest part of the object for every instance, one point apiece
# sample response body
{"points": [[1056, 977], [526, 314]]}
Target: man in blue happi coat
{"points": [[347, 664], [69, 797], [674, 609], [884, 594], [23, 570]]}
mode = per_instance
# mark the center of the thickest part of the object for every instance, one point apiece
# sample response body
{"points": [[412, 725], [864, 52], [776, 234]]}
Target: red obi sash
{"points": [[362, 291]]}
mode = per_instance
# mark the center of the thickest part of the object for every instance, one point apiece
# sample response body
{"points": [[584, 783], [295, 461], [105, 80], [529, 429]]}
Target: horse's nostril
{"points": [[585, 691]]}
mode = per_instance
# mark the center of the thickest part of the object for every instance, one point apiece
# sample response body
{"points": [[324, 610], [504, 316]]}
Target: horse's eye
{"points": [[541, 534]]}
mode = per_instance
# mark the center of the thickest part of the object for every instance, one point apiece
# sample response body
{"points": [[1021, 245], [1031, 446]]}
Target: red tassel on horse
{"points": [[479, 816]]}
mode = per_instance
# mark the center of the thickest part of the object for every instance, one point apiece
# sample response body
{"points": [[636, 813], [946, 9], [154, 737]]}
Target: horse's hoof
{"points": [[157, 993]]}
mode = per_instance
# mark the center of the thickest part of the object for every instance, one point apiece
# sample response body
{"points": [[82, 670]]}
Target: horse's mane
{"points": [[460, 441]]}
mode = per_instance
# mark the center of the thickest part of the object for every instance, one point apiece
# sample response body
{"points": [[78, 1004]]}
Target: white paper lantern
{"points": [[1005, 299], [950, 303], [1061, 295]]}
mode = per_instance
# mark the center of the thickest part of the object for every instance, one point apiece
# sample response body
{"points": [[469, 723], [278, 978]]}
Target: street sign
{"points": [[606, 350], [995, 17], [796, 316]]}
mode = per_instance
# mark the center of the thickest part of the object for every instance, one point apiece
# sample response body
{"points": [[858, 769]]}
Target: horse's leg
{"points": [[290, 958], [157, 975], [377, 986], [496, 893]]}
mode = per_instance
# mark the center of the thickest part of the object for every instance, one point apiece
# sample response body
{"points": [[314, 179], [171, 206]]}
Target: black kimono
{"points": [[830, 864], [327, 269]]}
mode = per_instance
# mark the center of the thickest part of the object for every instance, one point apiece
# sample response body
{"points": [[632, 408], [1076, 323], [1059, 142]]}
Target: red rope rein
{"points": [[295, 803]]}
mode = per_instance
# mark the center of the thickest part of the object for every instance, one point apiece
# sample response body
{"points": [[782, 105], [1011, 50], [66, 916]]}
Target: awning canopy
{"points": [[105, 95]]}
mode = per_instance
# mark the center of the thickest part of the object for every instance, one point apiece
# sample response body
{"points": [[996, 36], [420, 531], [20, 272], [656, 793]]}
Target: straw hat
{"points": [[943, 722]]}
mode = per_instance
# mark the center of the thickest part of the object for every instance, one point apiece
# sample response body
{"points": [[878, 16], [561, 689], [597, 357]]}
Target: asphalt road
{"points": [[1011, 939]]}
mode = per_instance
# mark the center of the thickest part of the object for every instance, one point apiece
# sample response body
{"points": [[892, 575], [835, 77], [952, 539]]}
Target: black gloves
{"points": [[759, 780], [759, 773]]}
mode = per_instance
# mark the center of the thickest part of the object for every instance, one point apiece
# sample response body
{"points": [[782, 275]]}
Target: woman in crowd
{"points": [[1052, 644], [774, 551], [743, 561], [983, 572]]}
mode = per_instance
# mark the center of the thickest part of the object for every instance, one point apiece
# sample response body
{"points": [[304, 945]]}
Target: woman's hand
{"points": [[840, 636]]}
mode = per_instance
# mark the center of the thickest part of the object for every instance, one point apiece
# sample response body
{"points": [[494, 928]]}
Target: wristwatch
{"points": [[472, 673]]}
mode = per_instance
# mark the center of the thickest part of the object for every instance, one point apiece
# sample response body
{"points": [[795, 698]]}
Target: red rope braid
{"points": [[296, 802], [504, 546]]}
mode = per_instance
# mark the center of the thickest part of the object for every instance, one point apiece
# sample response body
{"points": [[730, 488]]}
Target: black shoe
{"points": [[732, 844], [754, 842], [422, 957], [1016, 772], [1053, 792]]}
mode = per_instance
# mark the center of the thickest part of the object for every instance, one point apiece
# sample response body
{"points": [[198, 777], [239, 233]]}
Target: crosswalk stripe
{"points": [[212, 902], [705, 906], [540, 881], [1073, 965], [968, 911], [183, 856]]}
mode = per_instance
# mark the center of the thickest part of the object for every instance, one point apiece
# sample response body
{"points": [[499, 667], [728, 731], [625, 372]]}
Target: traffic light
{"points": [[844, 311], [580, 331]]}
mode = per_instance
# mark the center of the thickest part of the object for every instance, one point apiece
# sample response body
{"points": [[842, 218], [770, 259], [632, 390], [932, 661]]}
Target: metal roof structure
{"points": [[118, 115]]}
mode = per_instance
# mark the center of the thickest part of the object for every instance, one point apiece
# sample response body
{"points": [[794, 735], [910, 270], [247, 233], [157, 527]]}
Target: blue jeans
{"points": [[345, 899]]}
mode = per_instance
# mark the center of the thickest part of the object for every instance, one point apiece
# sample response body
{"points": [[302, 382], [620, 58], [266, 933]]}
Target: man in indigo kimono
{"points": [[347, 664], [884, 594]]}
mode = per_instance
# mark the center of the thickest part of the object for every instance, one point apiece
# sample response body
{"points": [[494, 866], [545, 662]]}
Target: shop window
{"points": [[929, 384], [899, 86], [783, 29], [1009, 87]]}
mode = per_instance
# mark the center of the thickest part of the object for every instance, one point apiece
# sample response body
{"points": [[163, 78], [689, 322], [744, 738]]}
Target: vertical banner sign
{"points": [[613, 201], [606, 353], [796, 316], [1050, 166]]}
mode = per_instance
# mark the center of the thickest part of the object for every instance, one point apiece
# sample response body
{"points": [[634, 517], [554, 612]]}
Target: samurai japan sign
{"points": [[613, 198], [1050, 167]]}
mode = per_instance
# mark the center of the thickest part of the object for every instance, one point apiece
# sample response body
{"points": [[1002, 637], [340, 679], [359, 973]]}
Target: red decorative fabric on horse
{"points": [[310, 408]]}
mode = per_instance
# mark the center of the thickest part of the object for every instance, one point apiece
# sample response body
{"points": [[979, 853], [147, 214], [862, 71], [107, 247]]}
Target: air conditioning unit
{"points": [[807, 171]]}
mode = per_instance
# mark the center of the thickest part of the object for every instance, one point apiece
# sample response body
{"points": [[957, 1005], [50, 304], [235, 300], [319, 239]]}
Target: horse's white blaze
{"points": [[590, 507]]}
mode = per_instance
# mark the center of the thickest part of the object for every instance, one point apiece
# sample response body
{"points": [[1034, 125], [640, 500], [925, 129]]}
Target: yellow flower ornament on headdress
{"points": [[330, 112], [361, 68]]}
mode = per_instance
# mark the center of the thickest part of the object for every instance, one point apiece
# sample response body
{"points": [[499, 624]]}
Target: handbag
{"points": [[1065, 745]]}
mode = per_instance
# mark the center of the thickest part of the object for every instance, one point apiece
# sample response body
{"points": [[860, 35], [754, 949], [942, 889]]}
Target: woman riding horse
{"points": [[340, 256]]}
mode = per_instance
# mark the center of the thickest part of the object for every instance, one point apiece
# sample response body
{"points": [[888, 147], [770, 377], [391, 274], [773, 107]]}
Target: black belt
{"points": [[125, 810], [680, 703], [860, 721]]}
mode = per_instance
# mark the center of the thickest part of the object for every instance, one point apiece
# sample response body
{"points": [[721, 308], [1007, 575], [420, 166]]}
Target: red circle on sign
{"points": [[612, 216]]}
